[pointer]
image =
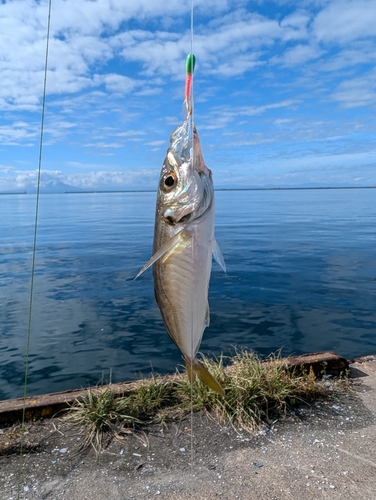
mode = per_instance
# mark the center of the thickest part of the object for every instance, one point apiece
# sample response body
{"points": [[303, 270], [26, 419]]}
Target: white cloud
{"points": [[18, 133], [360, 52], [283, 121], [326, 169], [357, 92], [131, 135], [110, 145], [148, 91], [231, 46], [119, 83], [345, 21], [15, 179], [300, 54], [266, 74], [156, 143], [84, 38], [222, 116], [80, 39], [81, 36], [298, 20]]}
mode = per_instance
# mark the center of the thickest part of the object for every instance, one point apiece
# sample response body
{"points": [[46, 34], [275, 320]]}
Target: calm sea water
{"points": [[301, 275]]}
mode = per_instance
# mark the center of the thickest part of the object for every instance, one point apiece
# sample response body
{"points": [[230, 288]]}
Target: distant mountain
{"points": [[56, 187], [51, 187]]}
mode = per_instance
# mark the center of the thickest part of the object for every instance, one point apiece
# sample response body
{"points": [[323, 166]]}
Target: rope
{"points": [[34, 255]]}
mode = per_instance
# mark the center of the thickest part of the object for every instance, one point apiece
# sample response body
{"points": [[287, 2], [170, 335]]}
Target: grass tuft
{"points": [[256, 391], [97, 414], [151, 398]]}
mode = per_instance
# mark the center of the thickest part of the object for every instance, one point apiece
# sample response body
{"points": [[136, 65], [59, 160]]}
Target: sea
{"points": [[301, 277]]}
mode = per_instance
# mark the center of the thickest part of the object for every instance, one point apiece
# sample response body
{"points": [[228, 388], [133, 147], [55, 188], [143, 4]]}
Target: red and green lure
{"points": [[189, 69]]}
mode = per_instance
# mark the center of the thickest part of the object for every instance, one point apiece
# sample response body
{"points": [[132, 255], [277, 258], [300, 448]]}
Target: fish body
{"points": [[183, 246]]}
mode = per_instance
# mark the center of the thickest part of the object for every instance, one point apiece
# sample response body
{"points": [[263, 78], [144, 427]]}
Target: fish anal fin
{"points": [[218, 257], [195, 368], [164, 251]]}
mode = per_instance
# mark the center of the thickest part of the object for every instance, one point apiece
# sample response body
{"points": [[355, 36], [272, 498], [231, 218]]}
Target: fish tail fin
{"points": [[195, 368]]}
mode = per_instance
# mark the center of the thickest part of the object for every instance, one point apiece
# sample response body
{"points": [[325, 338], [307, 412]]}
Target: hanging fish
{"points": [[183, 247]]}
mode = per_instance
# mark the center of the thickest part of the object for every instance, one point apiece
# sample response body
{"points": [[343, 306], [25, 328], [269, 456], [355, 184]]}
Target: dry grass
{"points": [[97, 414], [256, 391]]}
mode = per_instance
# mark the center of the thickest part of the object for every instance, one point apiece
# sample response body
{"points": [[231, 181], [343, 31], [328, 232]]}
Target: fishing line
{"points": [[22, 440], [190, 70]]}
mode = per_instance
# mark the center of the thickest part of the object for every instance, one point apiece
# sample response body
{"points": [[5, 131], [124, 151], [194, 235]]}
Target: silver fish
{"points": [[183, 247]]}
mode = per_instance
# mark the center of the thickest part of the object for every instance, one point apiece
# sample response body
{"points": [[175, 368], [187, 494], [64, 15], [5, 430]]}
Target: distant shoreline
{"points": [[228, 189], [99, 191], [21, 192]]}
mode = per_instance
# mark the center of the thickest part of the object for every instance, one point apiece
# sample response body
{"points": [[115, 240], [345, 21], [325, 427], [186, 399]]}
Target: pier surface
{"points": [[325, 450]]}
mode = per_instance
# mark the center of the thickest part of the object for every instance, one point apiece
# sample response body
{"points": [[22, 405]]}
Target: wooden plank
{"points": [[47, 405], [322, 363]]}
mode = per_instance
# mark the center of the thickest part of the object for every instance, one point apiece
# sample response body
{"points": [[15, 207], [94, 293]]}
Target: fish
{"points": [[183, 247]]}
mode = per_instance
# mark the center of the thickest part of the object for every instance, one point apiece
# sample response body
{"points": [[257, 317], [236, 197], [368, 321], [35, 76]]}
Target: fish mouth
{"points": [[173, 219], [170, 220]]}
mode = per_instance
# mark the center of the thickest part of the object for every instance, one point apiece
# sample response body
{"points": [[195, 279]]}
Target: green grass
{"points": [[97, 414], [256, 392]]}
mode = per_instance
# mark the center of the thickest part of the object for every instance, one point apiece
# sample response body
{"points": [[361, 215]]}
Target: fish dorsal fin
{"points": [[165, 249], [218, 257]]}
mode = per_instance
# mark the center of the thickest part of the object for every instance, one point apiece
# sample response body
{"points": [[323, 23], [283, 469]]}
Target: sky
{"points": [[284, 91]]}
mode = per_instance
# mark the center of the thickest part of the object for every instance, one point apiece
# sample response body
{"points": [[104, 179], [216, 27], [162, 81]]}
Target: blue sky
{"points": [[285, 91]]}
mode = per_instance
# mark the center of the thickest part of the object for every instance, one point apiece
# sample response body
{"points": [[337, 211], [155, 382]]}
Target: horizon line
{"points": [[106, 191]]}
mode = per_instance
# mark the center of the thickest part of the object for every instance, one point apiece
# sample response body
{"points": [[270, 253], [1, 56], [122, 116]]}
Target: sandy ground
{"points": [[325, 450]]}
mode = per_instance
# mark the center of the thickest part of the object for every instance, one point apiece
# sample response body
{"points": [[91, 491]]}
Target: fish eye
{"points": [[169, 180]]}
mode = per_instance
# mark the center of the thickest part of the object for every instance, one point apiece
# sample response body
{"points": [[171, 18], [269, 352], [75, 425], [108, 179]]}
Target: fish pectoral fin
{"points": [[218, 257], [165, 249], [195, 368]]}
